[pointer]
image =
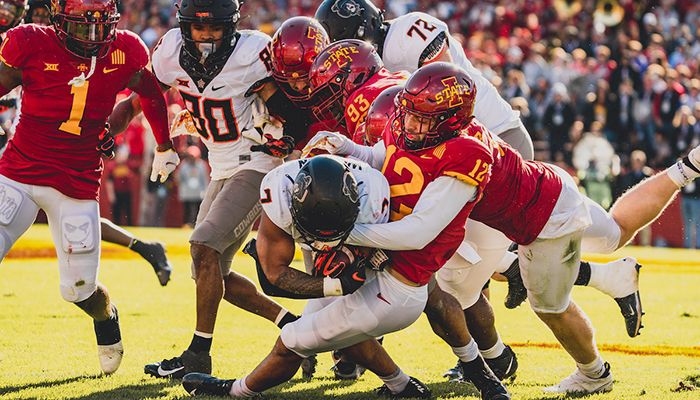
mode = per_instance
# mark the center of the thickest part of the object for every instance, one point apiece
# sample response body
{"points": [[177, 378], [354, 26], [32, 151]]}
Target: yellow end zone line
{"points": [[693, 352]]}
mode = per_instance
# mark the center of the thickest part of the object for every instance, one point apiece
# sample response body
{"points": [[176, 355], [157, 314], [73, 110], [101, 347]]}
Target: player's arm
{"points": [[10, 78], [424, 224], [335, 143], [437, 50]]}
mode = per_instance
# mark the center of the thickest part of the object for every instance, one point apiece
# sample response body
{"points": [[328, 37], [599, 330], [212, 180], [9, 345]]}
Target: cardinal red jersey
{"points": [[56, 137], [409, 173], [359, 101], [521, 194]]}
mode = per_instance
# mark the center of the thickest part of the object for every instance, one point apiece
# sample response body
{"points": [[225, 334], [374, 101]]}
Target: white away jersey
{"points": [[408, 37], [222, 113], [277, 186]]}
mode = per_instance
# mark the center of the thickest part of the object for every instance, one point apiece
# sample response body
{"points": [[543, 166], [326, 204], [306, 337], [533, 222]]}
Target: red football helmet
{"points": [[87, 27], [338, 71], [294, 47], [435, 105], [380, 113], [11, 13]]}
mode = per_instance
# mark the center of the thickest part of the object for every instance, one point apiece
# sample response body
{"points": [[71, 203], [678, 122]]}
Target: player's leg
{"points": [[549, 268], [17, 212], [345, 322], [153, 252], [642, 204], [75, 230]]}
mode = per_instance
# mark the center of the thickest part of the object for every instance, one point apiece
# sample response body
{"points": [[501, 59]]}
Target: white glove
{"points": [[183, 124], [164, 163], [332, 142]]}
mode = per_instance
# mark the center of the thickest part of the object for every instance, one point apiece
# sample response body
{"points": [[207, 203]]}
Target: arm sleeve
{"points": [[373, 156], [451, 194], [153, 105]]}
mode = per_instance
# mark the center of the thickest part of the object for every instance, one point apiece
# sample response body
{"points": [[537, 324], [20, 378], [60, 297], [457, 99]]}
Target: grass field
{"points": [[47, 347]]}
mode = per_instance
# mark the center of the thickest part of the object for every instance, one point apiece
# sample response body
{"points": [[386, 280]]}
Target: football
{"points": [[333, 263]]}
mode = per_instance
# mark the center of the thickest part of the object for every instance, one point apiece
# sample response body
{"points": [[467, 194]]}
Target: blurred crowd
{"points": [[609, 90]]}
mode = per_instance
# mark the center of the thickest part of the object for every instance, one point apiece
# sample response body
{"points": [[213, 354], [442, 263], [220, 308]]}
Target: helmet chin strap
{"points": [[80, 80]]}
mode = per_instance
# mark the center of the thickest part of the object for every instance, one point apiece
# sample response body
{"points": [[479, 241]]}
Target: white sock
{"points": [[681, 174], [204, 334], [598, 277], [397, 381], [494, 351], [239, 389], [467, 353], [594, 370]]}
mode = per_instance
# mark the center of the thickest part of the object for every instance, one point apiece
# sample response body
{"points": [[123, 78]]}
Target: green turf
{"points": [[47, 348]]}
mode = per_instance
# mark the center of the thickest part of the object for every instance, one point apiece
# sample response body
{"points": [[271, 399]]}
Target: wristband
{"points": [[332, 287]]}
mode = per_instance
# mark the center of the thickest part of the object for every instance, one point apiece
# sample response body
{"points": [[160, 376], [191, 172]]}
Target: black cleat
{"points": [[414, 390], [196, 383], [177, 367], [345, 370], [516, 288], [505, 365], [488, 385], [154, 253], [454, 373], [308, 367], [631, 309]]}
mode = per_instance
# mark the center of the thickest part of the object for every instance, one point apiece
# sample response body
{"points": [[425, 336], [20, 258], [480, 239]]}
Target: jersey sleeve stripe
{"points": [[464, 178], [2, 58]]}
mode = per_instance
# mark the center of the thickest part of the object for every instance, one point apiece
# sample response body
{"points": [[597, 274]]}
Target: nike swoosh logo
{"points": [[357, 277], [380, 297], [426, 157], [170, 163], [163, 372], [108, 70], [217, 88]]}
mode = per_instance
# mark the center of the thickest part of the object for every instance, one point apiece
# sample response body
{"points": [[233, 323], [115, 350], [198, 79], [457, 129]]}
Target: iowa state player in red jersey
{"points": [[71, 73]]}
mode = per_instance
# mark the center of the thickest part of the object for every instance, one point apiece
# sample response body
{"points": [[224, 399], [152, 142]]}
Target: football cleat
{"points": [[345, 370], [621, 282], [110, 357], [109, 343], [581, 384], [517, 293], [415, 389], [308, 367], [196, 383], [488, 385], [454, 374], [177, 367], [154, 253], [505, 365]]}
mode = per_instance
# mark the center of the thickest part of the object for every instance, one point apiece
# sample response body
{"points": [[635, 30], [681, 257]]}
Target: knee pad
{"points": [[464, 280], [78, 234], [10, 203], [77, 291]]}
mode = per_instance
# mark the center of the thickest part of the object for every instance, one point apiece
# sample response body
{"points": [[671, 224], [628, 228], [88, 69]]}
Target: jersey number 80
{"points": [[208, 115]]}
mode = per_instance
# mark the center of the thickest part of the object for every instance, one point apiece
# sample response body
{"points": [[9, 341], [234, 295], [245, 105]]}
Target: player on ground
{"points": [[324, 200], [52, 162], [220, 71], [559, 219]]}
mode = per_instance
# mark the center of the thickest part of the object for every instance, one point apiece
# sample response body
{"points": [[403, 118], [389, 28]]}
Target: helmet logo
{"points": [[301, 188], [346, 8], [205, 14], [349, 187], [452, 92], [313, 33], [340, 56]]}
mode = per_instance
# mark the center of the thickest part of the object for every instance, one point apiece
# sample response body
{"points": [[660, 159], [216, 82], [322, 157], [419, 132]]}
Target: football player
{"points": [[153, 252], [219, 72], [11, 14], [52, 162], [536, 205], [316, 202]]}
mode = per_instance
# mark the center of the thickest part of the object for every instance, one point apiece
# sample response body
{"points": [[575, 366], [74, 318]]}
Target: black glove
{"points": [[251, 250], [353, 277], [105, 143], [279, 148]]}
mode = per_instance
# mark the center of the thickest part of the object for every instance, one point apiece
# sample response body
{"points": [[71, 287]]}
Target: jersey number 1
{"points": [[72, 125]]}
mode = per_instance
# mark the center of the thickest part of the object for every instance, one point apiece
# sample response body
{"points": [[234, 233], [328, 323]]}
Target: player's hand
{"points": [[353, 277], [164, 163], [105, 143], [332, 142], [279, 148], [183, 124]]}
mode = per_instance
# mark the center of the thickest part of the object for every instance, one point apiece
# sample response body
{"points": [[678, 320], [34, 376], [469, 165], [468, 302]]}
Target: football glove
{"points": [[332, 142], [183, 124], [164, 163], [352, 277], [279, 148], [105, 143]]}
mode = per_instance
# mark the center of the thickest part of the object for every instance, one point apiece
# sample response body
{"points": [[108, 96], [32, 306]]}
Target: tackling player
{"points": [[219, 72], [52, 162]]}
